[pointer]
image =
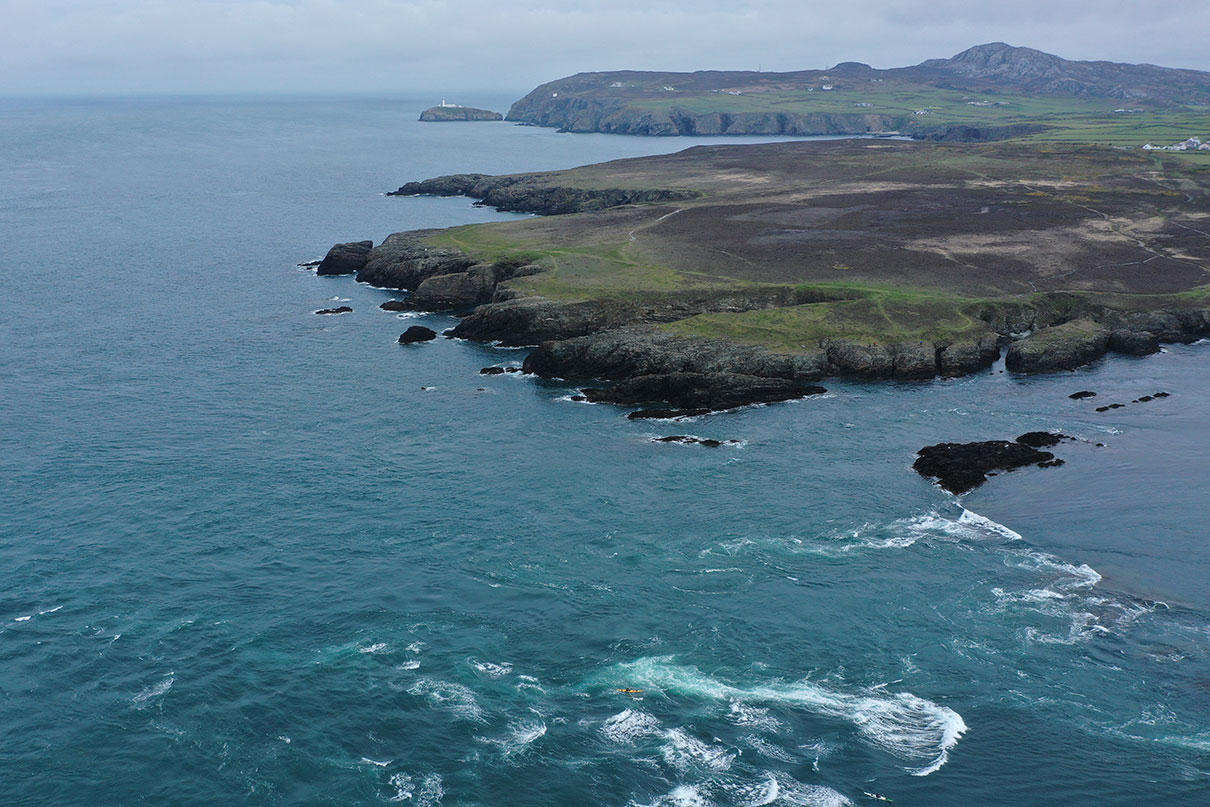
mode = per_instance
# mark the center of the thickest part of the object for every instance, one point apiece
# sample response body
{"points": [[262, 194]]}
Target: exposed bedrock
{"points": [[404, 261], [528, 194], [1133, 343], [961, 467], [345, 259], [643, 351], [702, 391], [1059, 347], [417, 333], [472, 287]]}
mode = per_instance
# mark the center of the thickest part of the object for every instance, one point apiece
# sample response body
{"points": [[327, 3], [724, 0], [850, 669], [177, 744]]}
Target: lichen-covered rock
{"points": [[1060, 347]]}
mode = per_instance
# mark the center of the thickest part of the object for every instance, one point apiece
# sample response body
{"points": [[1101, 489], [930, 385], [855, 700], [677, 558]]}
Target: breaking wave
{"points": [[912, 729]]}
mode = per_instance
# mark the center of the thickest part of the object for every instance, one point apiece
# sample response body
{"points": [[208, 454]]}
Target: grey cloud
{"points": [[300, 45]]}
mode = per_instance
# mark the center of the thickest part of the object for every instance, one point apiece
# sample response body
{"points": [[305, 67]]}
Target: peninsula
{"points": [[987, 92], [724, 267]]}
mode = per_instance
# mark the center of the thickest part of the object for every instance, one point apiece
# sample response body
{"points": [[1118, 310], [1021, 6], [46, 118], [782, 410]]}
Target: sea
{"points": [[254, 556]]}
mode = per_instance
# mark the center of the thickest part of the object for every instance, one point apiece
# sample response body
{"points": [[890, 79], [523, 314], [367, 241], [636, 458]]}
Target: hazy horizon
{"points": [[64, 47]]}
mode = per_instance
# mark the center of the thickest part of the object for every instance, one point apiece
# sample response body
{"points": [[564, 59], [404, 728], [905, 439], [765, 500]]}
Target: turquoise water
{"points": [[247, 559]]}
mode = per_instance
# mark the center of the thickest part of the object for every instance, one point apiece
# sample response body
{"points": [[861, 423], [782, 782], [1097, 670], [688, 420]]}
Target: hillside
{"points": [[986, 92]]}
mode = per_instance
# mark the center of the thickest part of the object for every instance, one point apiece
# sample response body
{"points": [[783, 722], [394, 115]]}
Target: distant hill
{"points": [[985, 92]]}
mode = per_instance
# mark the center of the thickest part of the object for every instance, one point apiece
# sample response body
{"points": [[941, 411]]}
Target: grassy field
{"points": [[1072, 120], [906, 241]]}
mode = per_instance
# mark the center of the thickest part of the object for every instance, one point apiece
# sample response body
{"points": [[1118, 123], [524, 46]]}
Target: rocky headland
{"points": [[987, 92], [724, 276]]}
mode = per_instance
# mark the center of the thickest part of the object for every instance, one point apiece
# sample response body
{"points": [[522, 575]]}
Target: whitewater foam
{"points": [[683, 751], [455, 698], [630, 725], [154, 691], [491, 669], [910, 728]]}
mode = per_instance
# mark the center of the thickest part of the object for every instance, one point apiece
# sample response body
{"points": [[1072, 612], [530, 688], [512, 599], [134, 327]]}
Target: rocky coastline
{"points": [[621, 341]]}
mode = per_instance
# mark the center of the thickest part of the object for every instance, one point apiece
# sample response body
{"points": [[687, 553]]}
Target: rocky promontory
{"points": [[533, 193], [443, 113], [795, 262]]}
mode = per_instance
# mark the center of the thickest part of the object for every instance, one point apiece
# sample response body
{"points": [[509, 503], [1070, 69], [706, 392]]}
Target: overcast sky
{"points": [[114, 46]]}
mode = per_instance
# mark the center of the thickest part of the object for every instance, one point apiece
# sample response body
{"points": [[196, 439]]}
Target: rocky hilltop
{"points": [[696, 278], [980, 94], [439, 114]]}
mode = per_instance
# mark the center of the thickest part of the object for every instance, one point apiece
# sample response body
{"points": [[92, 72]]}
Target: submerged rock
{"points": [[689, 440], [1078, 396], [344, 309], [417, 333]]}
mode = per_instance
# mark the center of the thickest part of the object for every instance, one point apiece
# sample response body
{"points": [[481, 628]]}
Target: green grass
{"points": [[882, 318], [1072, 120]]}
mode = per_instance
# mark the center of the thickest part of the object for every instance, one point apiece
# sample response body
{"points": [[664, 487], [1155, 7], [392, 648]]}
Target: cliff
{"points": [[986, 92]]}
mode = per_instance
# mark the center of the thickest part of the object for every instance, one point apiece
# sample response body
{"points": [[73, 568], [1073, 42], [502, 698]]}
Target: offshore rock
{"points": [[344, 309], [702, 391], [345, 259], [1060, 347], [417, 333], [443, 114], [961, 467]]}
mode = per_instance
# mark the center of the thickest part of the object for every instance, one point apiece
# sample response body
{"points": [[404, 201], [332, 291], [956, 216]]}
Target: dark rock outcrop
{"points": [[961, 467], [702, 391], [404, 261], [344, 309], [530, 193], [474, 286], [417, 333], [685, 439], [1042, 439], [1133, 343], [345, 259], [637, 350], [1060, 347], [1078, 396]]}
